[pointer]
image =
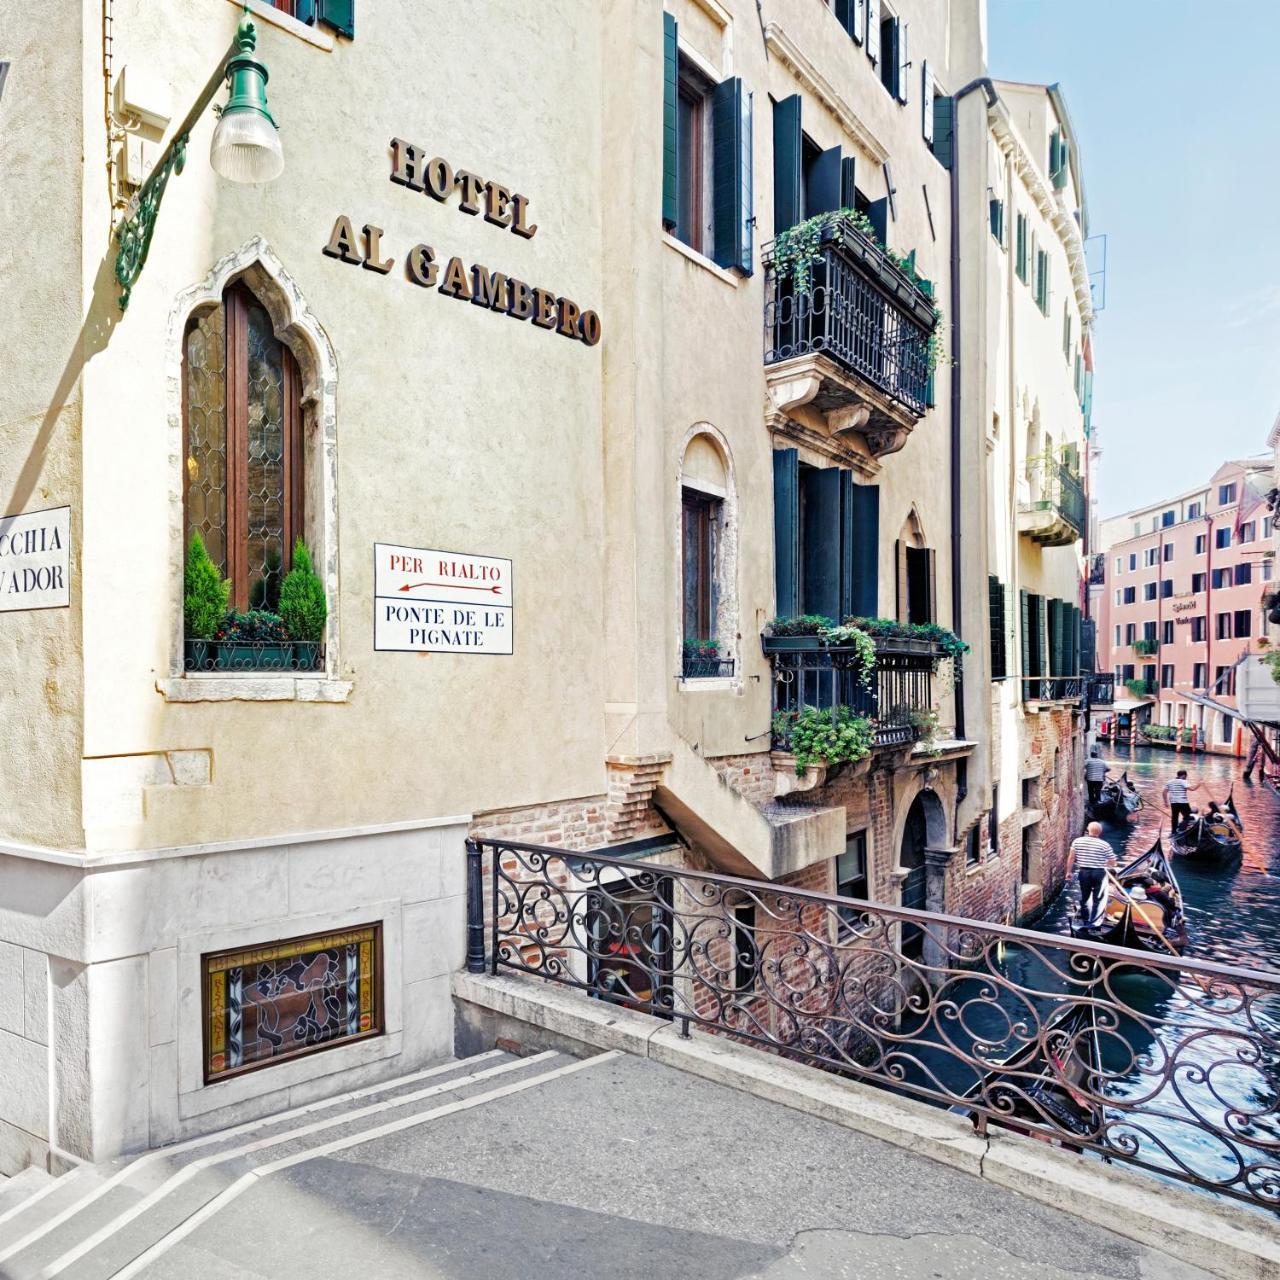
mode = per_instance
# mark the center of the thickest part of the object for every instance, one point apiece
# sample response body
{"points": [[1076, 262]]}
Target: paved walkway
{"points": [[630, 1169]]}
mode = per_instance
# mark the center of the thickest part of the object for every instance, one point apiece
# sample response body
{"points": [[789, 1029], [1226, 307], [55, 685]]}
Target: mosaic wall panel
{"points": [[266, 1004]]}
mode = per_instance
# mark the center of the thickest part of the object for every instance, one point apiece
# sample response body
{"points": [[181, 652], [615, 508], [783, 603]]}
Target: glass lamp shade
{"points": [[246, 147]]}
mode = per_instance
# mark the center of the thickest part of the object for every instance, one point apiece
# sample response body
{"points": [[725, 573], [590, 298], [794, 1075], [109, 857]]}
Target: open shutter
{"points": [[878, 213], [1039, 656], [731, 174], [670, 155], [1064, 166], [927, 96], [786, 530], [824, 184], [873, 31], [848, 187], [339, 15], [863, 519], [995, 609], [931, 560], [820, 541], [1054, 610], [899, 580], [858, 20], [786, 163], [1024, 605], [944, 127], [904, 63]]}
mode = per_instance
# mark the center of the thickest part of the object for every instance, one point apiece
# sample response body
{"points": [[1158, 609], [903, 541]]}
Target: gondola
{"points": [[1119, 800], [1046, 1083], [1211, 838], [1148, 915]]}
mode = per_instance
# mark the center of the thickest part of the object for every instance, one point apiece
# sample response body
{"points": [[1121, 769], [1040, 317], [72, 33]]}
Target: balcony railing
{"points": [[697, 666], [1166, 1063], [900, 691], [1142, 688], [1100, 689], [1054, 513], [862, 311], [1052, 688], [1146, 647]]}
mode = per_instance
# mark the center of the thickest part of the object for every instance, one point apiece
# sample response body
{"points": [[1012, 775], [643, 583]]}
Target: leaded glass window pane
{"points": [[266, 465], [206, 461]]}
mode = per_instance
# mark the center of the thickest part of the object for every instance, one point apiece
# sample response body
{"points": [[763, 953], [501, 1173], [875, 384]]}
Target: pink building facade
{"points": [[1184, 586]]}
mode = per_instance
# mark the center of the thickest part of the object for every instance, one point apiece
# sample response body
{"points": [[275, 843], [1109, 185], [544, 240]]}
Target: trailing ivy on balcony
{"points": [[1146, 646], [1141, 688], [824, 735]]}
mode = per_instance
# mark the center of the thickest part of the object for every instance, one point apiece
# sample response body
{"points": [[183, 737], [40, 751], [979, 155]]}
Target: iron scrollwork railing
{"points": [[899, 693], [1101, 688], [1052, 688], [252, 655], [859, 309], [1060, 489], [1172, 1065]]}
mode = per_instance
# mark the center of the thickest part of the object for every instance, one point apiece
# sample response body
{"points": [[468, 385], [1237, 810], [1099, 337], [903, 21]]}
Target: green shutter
{"points": [[1020, 257], [1040, 654], [863, 543], [848, 187], [944, 127], [787, 150], [670, 146], [878, 214], [995, 604], [731, 174], [786, 530], [340, 15], [820, 541], [1024, 602], [822, 191]]}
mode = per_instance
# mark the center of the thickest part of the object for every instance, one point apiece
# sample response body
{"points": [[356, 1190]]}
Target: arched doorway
{"points": [[911, 859]]}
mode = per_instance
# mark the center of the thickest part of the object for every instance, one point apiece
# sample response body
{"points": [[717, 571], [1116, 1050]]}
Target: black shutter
{"points": [[787, 149], [670, 154], [878, 213], [1025, 608], [995, 603], [820, 541], [1088, 645], [786, 530], [731, 174], [944, 127], [848, 190], [864, 542], [822, 192], [890, 53], [340, 15]]}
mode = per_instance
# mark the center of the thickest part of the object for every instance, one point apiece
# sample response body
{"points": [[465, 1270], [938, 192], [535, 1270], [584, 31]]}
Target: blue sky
{"points": [[1174, 107]]}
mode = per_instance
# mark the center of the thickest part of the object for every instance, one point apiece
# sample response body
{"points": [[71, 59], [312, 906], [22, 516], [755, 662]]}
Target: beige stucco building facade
{"points": [[709, 451]]}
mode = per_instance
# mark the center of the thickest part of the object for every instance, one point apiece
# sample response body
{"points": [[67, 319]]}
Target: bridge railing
{"points": [[1168, 1063]]}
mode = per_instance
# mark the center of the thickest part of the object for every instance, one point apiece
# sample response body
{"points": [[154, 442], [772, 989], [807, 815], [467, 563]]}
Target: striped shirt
{"points": [[1091, 852], [1095, 769], [1177, 788]]}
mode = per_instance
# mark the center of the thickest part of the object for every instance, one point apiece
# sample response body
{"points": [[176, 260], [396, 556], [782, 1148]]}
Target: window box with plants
{"points": [[701, 660], [1146, 647], [823, 736], [222, 640]]}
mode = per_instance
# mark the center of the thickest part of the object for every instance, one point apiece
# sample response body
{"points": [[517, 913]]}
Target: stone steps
{"points": [[106, 1220]]}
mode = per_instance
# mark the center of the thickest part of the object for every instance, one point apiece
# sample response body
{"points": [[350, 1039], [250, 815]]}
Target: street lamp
{"points": [[245, 148]]}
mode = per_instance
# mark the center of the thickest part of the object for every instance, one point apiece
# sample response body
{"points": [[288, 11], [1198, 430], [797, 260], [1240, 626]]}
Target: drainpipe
{"points": [[1209, 683], [957, 589]]}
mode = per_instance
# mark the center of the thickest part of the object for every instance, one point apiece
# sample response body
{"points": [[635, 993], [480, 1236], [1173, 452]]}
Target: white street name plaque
{"points": [[35, 560], [440, 601]]}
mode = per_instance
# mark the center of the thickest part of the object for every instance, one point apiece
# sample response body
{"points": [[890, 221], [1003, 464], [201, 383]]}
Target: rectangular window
{"points": [[1166, 519], [1197, 582], [700, 517], [279, 1001], [1020, 247], [1119, 564], [893, 61], [1149, 673], [999, 643], [1127, 671], [1221, 578], [1148, 630], [993, 823], [1224, 681], [1266, 571], [1166, 628], [1202, 543], [1194, 511], [1266, 526], [1199, 628], [1119, 596], [995, 210], [1168, 552], [1166, 676], [1131, 595], [851, 875], [1248, 531], [1042, 281], [1166, 588], [693, 152], [1221, 539], [1244, 574], [1130, 632], [746, 951], [1222, 626], [1133, 561], [1243, 621], [1118, 641], [1199, 676], [1149, 556], [1148, 590], [1226, 494]]}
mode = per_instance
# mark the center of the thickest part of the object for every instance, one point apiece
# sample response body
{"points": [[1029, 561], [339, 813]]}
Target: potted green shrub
{"points": [[304, 608], [253, 641], [205, 593], [787, 635], [824, 736]]}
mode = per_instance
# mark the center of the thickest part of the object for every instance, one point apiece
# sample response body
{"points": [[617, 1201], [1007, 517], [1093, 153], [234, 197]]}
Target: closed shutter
{"points": [[340, 15], [931, 560], [900, 580], [878, 213], [1088, 655], [904, 63], [873, 31], [820, 541], [670, 153], [1051, 611], [1024, 608], [848, 189], [944, 125], [927, 96], [995, 612], [787, 148], [786, 530], [822, 192], [863, 512], [1021, 255], [1039, 657], [1077, 625], [731, 174]]}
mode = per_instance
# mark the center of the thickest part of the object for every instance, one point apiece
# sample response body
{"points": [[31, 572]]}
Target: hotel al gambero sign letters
{"points": [[479, 197]]}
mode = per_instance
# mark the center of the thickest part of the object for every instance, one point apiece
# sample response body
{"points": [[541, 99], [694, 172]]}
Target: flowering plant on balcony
{"points": [[824, 735]]}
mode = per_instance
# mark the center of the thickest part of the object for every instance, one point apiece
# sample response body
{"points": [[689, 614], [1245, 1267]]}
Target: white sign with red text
{"points": [[440, 601]]}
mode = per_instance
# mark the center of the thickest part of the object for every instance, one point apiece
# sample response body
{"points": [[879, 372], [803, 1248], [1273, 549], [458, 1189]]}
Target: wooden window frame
{"points": [[236, 301], [694, 88], [704, 508]]}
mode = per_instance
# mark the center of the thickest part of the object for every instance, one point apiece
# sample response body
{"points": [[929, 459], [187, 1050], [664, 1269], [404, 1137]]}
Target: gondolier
{"points": [[1175, 796], [1095, 774], [1091, 857]]}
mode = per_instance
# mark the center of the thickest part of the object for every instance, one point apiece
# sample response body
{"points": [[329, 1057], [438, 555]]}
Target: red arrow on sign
{"points": [[455, 586]]}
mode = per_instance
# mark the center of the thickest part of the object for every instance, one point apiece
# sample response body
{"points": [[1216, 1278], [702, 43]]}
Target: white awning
{"points": [[1124, 705]]}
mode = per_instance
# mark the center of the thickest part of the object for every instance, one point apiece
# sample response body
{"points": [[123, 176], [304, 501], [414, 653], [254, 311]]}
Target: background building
{"points": [[1182, 600]]}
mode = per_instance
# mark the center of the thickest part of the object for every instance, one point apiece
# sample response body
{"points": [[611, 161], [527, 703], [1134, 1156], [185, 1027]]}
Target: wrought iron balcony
{"points": [[1146, 646], [1100, 689], [1052, 688], [1142, 688], [1054, 513], [853, 343], [898, 698]]}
